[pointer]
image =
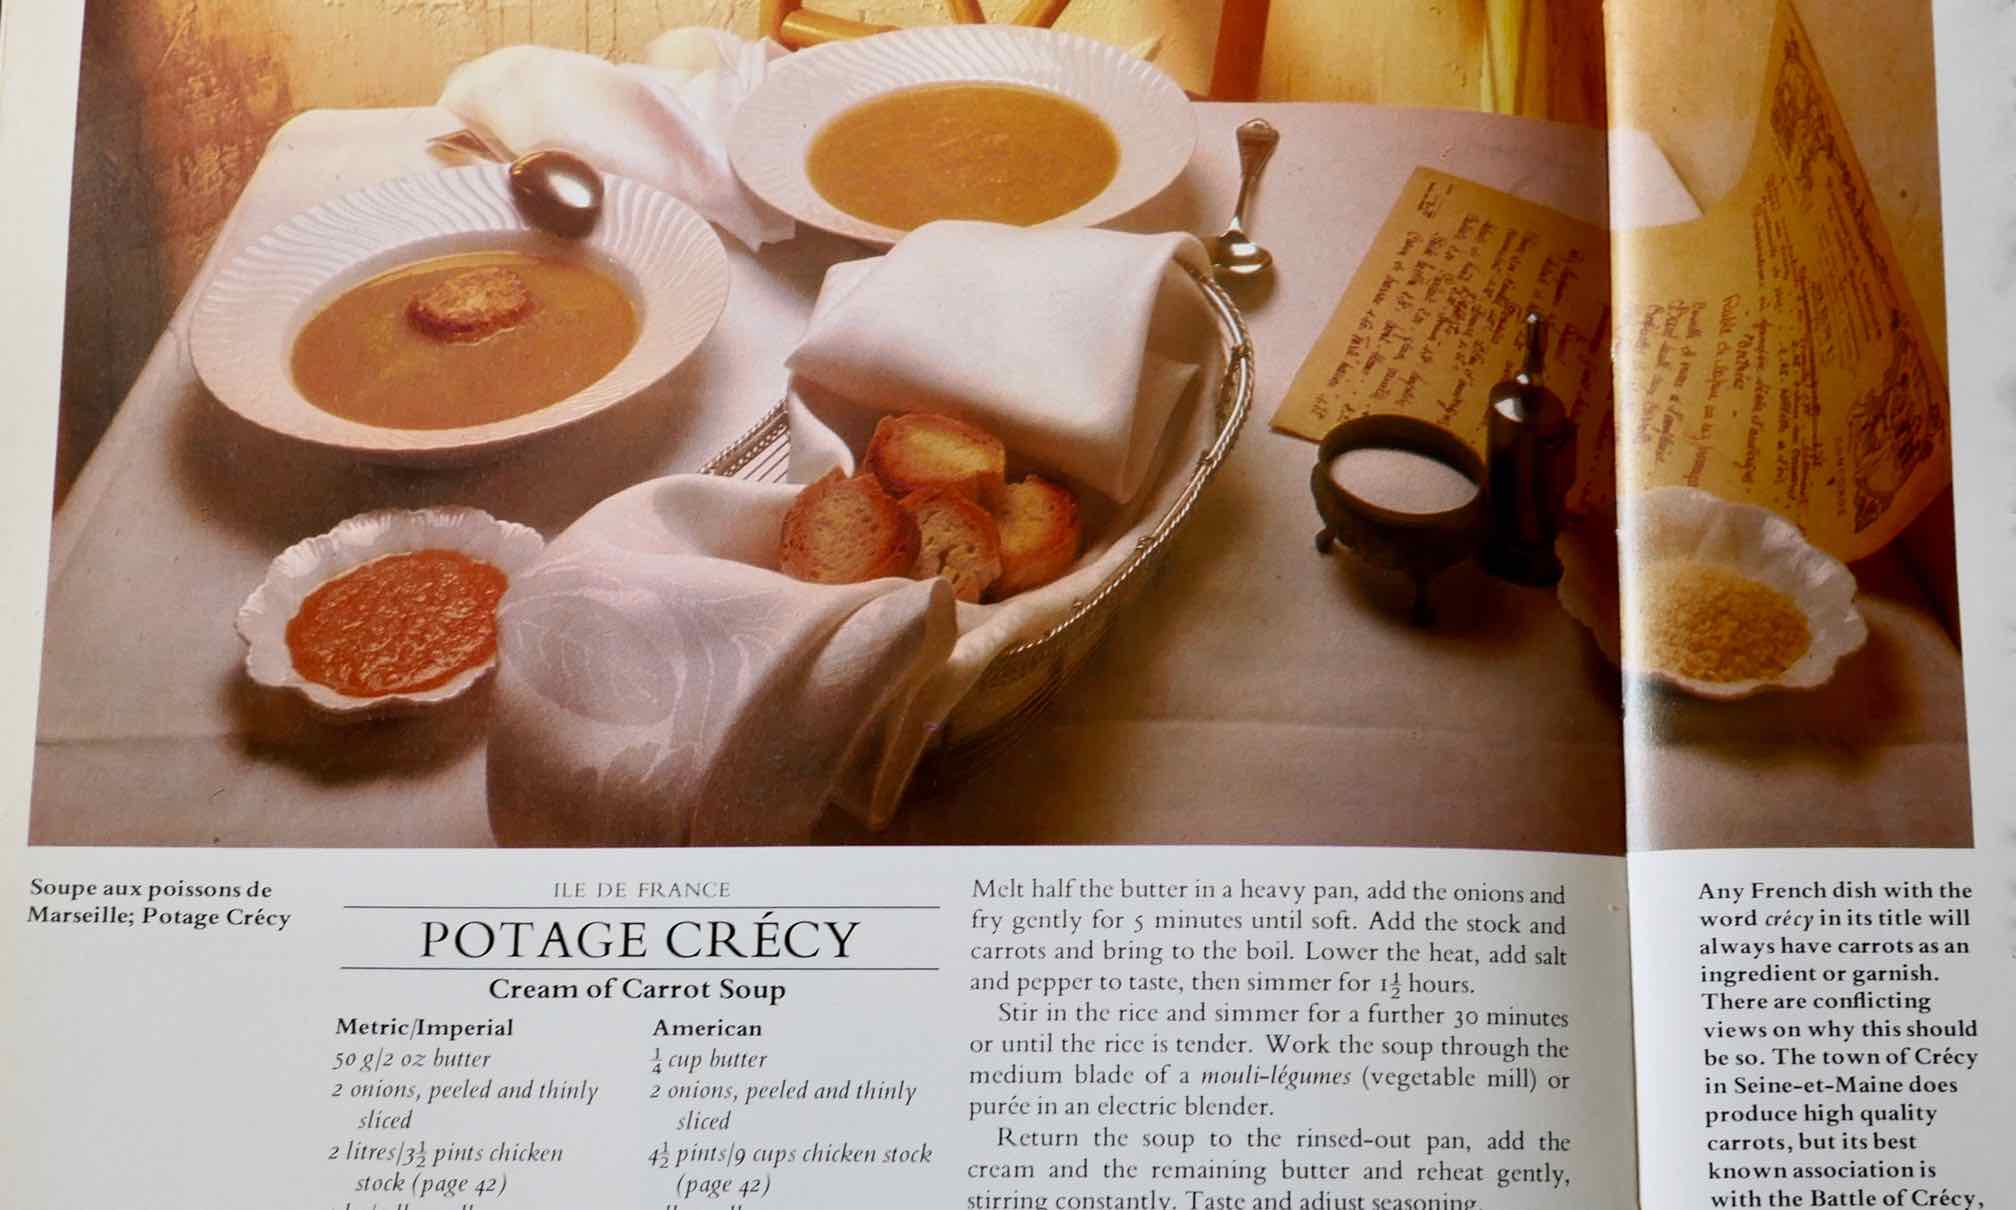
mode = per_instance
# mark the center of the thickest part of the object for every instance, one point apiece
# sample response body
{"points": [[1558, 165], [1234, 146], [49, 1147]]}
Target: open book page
{"points": [[532, 718], [757, 695], [1810, 898]]}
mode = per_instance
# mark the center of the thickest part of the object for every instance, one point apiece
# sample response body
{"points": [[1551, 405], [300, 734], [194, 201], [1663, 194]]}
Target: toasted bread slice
{"points": [[956, 540], [843, 531], [923, 450], [1038, 523], [471, 305]]}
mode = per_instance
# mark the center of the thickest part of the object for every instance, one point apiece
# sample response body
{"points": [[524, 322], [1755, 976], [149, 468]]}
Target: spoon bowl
{"points": [[557, 191], [1234, 254]]}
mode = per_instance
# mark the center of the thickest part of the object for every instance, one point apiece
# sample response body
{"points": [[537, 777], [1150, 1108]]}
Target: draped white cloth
{"points": [[664, 121], [659, 682]]}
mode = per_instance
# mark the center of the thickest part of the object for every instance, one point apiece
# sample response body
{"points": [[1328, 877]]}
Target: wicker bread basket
{"points": [[1026, 675]]}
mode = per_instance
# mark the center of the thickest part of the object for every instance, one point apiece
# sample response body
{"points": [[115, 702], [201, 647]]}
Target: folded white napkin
{"points": [[659, 683], [1069, 345], [664, 121]]}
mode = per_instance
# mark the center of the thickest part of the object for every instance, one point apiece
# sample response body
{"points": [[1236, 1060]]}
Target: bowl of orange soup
{"points": [[423, 320], [874, 137], [390, 613]]}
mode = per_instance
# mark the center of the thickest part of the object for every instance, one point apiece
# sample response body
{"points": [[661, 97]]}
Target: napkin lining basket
{"points": [[1023, 678]]}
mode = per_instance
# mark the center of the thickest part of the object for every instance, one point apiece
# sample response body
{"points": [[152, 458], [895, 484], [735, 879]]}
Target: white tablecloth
{"points": [[1258, 693]]}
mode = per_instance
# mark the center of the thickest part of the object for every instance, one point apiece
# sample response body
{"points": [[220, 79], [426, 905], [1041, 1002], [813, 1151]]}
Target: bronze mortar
{"points": [[1420, 544]]}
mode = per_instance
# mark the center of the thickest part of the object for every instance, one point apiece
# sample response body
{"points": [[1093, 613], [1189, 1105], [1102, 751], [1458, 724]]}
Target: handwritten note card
{"points": [[1434, 317], [1770, 351]]}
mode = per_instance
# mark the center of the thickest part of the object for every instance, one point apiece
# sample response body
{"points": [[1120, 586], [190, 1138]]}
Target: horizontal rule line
{"points": [[642, 907], [575, 970]]}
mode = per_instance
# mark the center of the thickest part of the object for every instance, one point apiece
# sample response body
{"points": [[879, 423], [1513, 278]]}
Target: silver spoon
{"points": [[557, 192], [1234, 254]]}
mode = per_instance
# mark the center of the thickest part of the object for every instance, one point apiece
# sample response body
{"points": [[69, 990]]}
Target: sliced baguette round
{"points": [[471, 305], [957, 540], [844, 531], [920, 450], [1038, 524]]}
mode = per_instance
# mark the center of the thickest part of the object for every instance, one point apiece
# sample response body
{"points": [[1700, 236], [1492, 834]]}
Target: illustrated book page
{"points": [[1259, 860], [1198, 877], [1809, 866]]}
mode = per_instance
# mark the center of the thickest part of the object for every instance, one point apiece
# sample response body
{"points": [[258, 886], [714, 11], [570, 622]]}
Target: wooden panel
{"points": [[1405, 52], [1395, 52], [1564, 63], [176, 103], [1242, 41]]}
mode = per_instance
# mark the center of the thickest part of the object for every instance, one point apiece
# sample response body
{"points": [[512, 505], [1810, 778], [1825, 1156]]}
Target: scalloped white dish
{"points": [[664, 257], [1688, 523], [307, 565], [1148, 113]]}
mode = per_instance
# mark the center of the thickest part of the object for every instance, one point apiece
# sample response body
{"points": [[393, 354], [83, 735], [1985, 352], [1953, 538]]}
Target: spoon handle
{"points": [[1257, 140]]}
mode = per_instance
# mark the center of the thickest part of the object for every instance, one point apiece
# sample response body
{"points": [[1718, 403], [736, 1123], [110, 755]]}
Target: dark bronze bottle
{"points": [[1530, 451]]}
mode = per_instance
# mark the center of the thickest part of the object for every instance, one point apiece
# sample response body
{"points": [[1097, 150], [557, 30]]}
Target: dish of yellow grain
{"points": [[1719, 600], [1698, 620]]}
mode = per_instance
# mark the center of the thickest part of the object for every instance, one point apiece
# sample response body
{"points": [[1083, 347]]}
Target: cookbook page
{"points": [[748, 696], [1819, 903]]}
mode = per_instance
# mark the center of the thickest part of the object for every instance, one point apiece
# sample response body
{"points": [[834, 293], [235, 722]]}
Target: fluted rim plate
{"points": [[1149, 114], [312, 562], [1752, 541], [664, 256]]}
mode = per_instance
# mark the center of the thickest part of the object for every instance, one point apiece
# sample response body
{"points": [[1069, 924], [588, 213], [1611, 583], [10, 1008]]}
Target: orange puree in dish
{"points": [[398, 624]]}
